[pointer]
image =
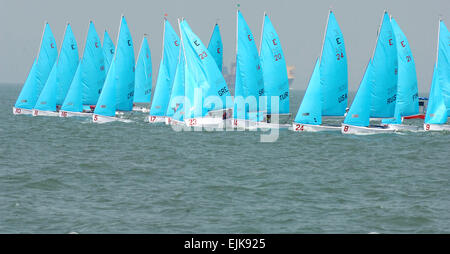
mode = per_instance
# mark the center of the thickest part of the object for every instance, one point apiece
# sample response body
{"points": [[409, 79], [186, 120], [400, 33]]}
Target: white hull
{"points": [[37, 112], [436, 127], [297, 127], [141, 109], [244, 124], [263, 125], [107, 119], [73, 114], [156, 119], [22, 111], [170, 121], [402, 127], [359, 130], [207, 122]]}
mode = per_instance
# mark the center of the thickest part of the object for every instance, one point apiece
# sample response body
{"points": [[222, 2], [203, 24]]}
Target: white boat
{"points": [[326, 95], [377, 92], [439, 99]]}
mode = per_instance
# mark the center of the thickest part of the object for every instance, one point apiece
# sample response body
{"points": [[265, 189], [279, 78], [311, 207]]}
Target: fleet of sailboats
{"points": [[191, 90]]}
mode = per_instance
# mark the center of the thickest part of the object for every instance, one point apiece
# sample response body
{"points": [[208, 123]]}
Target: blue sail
{"points": [[443, 62], [249, 77], [175, 109], [89, 77], [333, 70], [310, 111], [39, 72], [74, 101], [143, 76], [58, 83], [274, 69], [118, 90], [215, 46], [359, 113], [167, 68], [437, 110], [384, 68], [203, 78], [407, 102], [108, 50]]}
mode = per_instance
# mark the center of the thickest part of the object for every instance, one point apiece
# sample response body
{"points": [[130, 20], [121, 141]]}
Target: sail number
{"points": [[342, 98], [392, 99], [18, 110], [222, 91], [299, 127], [192, 122], [339, 56], [346, 128], [284, 96], [152, 118], [95, 118], [63, 113], [203, 55], [408, 59], [427, 127], [278, 57]]}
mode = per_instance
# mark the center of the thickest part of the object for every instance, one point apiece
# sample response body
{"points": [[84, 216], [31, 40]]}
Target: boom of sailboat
{"points": [[108, 84]]}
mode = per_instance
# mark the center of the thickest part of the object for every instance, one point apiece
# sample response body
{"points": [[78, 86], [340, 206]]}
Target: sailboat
{"points": [[143, 78], [118, 90], [439, 102], [378, 90], [60, 78], [38, 74], [205, 87], [407, 101], [88, 80], [175, 109], [167, 68], [275, 76], [108, 50], [249, 85], [215, 46], [326, 95]]}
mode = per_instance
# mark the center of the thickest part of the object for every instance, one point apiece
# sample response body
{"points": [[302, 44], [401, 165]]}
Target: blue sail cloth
{"points": [[167, 69], [249, 84], [436, 110], [359, 113], [89, 77], [118, 90], [310, 111], [108, 50], [143, 76], [407, 102], [274, 70], [385, 69], [333, 70], [215, 47], [175, 109], [63, 71], [205, 87], [443, 62], [39, 72]]}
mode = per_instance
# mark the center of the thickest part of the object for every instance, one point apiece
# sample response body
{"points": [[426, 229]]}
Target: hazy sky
{"points": [[300, 25]]}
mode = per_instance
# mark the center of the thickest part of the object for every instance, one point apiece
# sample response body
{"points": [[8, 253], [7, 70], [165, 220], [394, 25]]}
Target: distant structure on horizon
{"points": [[230, 75]]}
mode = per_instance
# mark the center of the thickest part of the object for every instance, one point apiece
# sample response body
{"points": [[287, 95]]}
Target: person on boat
{"points": [[268, 118], [346, 111]]}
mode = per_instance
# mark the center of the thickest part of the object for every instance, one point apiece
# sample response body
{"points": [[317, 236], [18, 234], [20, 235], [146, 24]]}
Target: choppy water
{"points": [[68, 175]]}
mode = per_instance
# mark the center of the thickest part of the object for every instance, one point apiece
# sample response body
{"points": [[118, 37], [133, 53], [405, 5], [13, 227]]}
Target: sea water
{"points": [[63, 175]]}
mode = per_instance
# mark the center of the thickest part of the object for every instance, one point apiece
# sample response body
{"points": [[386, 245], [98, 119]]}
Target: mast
{"points": [[325, 34], [262, 33]]}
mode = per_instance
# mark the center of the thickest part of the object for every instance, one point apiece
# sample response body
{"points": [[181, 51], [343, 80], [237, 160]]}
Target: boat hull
{"points": [[244, 124], [208, 122], [170, 121], [264, 125], [156, 119], [402, 127], [37, 112], [22, 111], [297, 127], [141, 109], [436, 127], [107, 119], [73, 114], [360, 130]]}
